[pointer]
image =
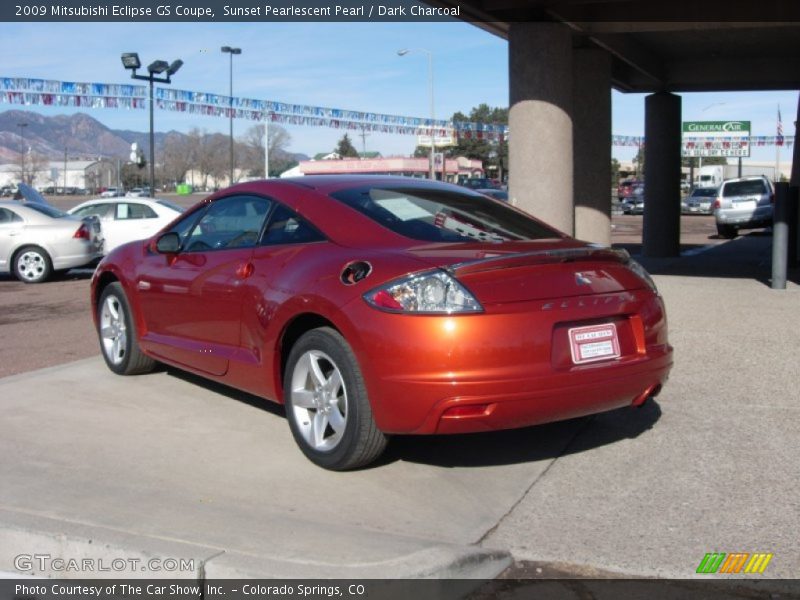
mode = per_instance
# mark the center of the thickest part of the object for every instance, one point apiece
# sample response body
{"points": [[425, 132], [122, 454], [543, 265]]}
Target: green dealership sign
{"points": [[716, 128], [716, 138]]}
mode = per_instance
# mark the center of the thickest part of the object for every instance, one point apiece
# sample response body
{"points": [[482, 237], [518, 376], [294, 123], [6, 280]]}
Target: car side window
{"points": [[100, 210], [233, 222], [134, 210], [9, 216], [287, 227]]}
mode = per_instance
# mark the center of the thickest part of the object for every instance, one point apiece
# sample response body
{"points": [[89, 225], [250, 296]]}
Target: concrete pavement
{"points": [[169, 466]]}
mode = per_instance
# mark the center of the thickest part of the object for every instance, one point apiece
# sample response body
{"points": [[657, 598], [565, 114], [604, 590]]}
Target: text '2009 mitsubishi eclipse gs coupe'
{"points": [[373, 306]]}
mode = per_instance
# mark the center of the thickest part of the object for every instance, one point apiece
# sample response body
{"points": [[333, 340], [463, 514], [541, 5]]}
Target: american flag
{"points": [[779, 137]]}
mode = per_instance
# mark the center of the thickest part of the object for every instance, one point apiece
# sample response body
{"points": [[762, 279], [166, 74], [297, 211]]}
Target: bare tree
{"points": [[35, 164], [178, 156], [253, 149]]}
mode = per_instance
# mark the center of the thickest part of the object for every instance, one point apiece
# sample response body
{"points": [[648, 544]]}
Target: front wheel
{"points": [[118, 334], [32, 265], [327, 405]]}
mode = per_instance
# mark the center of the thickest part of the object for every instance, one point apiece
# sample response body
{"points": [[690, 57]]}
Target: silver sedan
{"points": [[38, 239]]}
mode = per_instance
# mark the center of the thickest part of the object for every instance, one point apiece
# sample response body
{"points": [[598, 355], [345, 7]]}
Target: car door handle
{"points": [[245, 270]]}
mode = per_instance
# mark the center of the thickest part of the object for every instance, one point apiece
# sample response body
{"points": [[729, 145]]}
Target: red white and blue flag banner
{"points": [[43, 92]]}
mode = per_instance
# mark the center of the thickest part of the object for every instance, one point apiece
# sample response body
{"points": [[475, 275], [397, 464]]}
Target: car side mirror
{"points": [[168, 243]]}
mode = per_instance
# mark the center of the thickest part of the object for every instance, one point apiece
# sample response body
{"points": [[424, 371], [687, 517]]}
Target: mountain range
{"points": [[82, 136]]}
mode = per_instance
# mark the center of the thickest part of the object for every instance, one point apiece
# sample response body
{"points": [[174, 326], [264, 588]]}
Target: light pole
{"points": [[231, 51], [403, 52], [22, 127], [130, 60]]}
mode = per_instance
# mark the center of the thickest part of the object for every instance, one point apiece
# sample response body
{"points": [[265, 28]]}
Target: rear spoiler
{"points": [[520, 259]]}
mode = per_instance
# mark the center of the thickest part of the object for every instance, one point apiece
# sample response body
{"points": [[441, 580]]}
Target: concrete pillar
{"points": [[662, 175], [540, 143], [591, 121]]}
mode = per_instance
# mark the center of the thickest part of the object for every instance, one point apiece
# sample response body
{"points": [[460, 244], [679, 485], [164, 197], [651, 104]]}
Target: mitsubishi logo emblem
{"points": [[581, 279]]}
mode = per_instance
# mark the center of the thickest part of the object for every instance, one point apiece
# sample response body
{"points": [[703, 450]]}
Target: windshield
{"points": [[744, 188], [437, 215]]}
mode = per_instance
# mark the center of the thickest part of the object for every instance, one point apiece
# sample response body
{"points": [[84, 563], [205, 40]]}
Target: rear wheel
{"points": [[118, 334], [726, 231], [327, 405], [32, 264]]}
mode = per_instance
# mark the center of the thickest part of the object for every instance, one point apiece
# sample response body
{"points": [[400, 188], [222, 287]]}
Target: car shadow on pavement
{"points": [[225, 390], [529, 444], [513, 446], [745, 257]]}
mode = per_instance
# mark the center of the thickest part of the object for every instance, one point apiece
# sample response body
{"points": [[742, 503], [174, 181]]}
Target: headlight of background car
{"points": [[427, 292], [642, 272]]}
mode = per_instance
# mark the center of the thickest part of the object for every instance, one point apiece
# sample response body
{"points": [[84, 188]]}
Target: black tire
{"points": [[356, 441], [117, 334], [32, 264], [726, 231]]}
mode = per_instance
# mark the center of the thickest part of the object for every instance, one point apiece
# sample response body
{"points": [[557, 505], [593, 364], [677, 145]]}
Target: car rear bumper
{"points": [[501, 371], [759, 217]]}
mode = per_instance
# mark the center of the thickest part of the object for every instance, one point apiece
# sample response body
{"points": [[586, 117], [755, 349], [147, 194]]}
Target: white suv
{"points": [[744, 203]]}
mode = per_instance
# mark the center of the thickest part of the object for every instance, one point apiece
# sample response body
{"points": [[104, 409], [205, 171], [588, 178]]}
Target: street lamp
{"points": [[403, 52], [231, 51], [130, 60], [22, 127]]}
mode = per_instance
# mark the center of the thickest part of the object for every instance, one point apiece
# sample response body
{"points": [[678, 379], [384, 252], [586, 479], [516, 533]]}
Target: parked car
{"points": [[112, 192], [480, 183], [37, 239], [699, 201], [138, 192], [495, 193], [125, 220], [373, 306], [634, 202], [626, 188], [743, 203]]}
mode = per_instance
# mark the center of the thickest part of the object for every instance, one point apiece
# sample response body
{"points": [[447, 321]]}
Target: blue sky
{"points": [[342, 65]]}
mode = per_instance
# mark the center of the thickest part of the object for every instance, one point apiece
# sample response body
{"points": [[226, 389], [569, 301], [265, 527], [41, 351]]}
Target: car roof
{"points": [[327, 184]]}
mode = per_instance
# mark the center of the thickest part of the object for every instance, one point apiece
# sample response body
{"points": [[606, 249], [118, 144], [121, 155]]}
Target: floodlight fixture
{"points": [[173, 68], [157, 66], [130, 60]]}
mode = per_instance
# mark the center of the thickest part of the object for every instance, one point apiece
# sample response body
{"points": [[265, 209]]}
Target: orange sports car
{"points": [[373, 306]]}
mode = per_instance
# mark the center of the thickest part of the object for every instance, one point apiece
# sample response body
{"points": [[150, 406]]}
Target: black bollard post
{"points": [[780, 236]]}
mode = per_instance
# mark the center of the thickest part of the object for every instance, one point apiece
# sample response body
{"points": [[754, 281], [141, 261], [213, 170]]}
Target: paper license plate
{"points": [[593, 343]]}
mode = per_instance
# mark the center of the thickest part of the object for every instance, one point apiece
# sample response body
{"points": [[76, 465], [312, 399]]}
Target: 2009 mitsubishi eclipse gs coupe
{"points": [[372, 306]]}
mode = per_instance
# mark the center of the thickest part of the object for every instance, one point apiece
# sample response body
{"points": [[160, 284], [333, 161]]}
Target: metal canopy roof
{"points": [[680, 45]]}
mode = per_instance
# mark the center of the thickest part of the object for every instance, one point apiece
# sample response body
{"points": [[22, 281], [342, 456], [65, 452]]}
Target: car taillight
{"points": [[427, 292], [83, 233], [717, 203]]}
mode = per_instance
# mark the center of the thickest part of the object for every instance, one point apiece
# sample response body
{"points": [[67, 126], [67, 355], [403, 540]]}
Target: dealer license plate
{"points": [[593, 343]]}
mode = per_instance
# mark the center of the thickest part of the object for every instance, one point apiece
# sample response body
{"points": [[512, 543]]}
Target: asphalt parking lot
{"points": [[168, 465]]}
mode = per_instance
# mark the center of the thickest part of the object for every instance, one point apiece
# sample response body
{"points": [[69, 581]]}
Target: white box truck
{"points": [[711, 176]]}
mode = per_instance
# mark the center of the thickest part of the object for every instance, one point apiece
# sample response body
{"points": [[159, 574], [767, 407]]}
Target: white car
{"points": [[37, 239], [112, 192], [138, 193], [128, 219]]}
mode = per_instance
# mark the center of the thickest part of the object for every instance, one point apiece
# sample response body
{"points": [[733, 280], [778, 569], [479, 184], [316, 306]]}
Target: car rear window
{"points": [[744, 188], [437, 215], [46, 210], [171, 205], [704, 192]]}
